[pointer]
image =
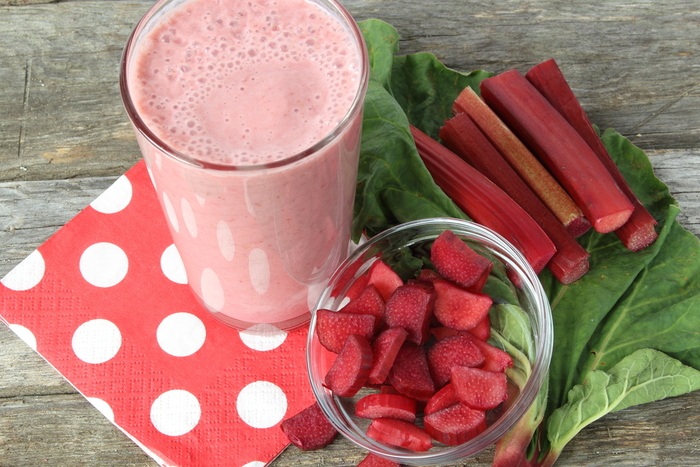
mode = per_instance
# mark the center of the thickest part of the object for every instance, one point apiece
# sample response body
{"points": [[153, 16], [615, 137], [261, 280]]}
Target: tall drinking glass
{"points": [[248, 115]]}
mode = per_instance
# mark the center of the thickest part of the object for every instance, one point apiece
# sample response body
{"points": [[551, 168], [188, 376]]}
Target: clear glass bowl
{"points": [[510, 267]]}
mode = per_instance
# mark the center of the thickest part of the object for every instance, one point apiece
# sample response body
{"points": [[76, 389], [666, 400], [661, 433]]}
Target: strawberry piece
{"points": [[455, 424], [351, 367], [388, 389], [441, 332], [458, 350], [309, 429], [399, 433], [459, 308], [357, 287], [410, 374], [385, 348], [411, 307], [386, 405], [334, 327], [495, 359], [427, 276], [442, 399], [384, 278], [482, 331], [479, 389], [368, 302], [456, 261], [373, 460]]}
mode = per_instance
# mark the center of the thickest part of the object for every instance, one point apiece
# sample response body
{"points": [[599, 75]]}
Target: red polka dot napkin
{"points": [[106, 302]]}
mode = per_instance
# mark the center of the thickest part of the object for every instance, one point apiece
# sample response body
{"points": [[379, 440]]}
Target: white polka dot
{"points": [[104, 264], [96, 341], [254, 464], [261, 404], [248, 200], [175, 412], [200, 199], [25, 334], [181, 334], [225, 239], [115, 198], [259, 270], [263, 337], [159, 160], [103, 407], [212, 292], [188, 217], [26, 274], [170, 211], [172, 266]]}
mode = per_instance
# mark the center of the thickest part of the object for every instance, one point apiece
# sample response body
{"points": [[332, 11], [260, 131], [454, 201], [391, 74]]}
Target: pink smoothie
{"points": [[237, 91]]}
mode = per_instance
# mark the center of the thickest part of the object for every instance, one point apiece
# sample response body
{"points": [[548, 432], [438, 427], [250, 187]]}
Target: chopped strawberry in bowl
{"points": [[430, 342]]}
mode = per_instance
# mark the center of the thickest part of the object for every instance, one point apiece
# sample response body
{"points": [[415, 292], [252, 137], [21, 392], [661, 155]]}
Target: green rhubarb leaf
{"points": [[426, 89], [643, 376], [382, 42], [393, 184]]}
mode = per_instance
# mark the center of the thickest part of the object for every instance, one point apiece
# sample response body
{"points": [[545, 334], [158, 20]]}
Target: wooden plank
{"points": [[64, 116]]}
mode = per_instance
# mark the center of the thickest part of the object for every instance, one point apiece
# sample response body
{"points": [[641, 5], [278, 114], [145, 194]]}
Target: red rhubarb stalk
{"points": [[560, 148], [523, 162], [463, 137], [483, 201], [639, 231]]}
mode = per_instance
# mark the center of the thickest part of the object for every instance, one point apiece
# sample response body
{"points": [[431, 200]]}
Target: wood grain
{"points": [[64, 138]]}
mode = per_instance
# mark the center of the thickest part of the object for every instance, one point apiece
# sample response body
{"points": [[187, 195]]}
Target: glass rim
{"points": [[143, 129], [543, 329]]}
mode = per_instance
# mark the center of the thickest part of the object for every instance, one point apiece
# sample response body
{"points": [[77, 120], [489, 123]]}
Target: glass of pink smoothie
{"points": [[248, 115]]}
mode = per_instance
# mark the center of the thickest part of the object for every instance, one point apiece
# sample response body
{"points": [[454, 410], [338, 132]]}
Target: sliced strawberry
{"points": [[410, 374], [309, 429], [482, 331], [384, 278], [334, 327], [399, 433], [455, 424], [440, 332], [457, 350], [479, 389], [349, 275], [386, 405], [368, 302], [351, 367], [411, 307], [385, 348], [444, 398], [357, 287], [427, 276], [457, 262], [495, 359], [388, 389], [459, 308], [373, 460]]}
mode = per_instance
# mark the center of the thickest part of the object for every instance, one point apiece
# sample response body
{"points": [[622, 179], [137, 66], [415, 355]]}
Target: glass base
{"points": [[288, 325]]}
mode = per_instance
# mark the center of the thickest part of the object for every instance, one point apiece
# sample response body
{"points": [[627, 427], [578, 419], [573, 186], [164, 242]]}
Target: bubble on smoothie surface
{"points": [[267, 80]]}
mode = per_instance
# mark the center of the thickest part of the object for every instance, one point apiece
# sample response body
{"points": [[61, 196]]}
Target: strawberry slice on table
{"points": [[387, 405], [309, 429], [368, 302], [351, 367], [458, 262], [442, 399], [458, 308], [479, 389], [384, 278], [373, 460], [399, 433], [385, 348], [457, 350], [411, 307], [455, 424], [334, 327], [410, 374]]}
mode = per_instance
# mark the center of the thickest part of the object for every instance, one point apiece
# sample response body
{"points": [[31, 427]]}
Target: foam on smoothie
{"points": [[261, 85]]}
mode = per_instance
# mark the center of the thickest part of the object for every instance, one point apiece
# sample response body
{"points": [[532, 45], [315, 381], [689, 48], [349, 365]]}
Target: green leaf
{"points": [[644, 376], [393, 184], [382, 42], [426, 89]]}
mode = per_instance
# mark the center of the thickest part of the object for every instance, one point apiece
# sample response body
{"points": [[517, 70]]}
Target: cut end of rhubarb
{"points": [[612, 222], [578, 226], [641, 238]]}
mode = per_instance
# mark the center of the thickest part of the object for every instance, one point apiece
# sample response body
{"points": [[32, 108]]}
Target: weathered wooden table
{"points": [[64, 138]]}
